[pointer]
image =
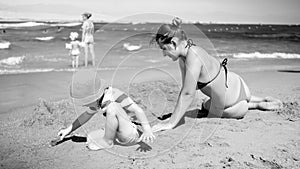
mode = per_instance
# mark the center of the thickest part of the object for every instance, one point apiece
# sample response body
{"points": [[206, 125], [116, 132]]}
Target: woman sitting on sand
{"points": [[228, 94], [88, 37]]}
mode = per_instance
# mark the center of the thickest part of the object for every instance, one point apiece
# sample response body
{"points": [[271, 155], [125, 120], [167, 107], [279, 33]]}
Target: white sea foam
{"points": [[224, 55], [23, 71], [153, 61], [47, 38], [43, 58], [266, 55], [4, 44], [18, 25], [67, 24], [55, 59], [12, 61], [129, 47], [43, 70]]}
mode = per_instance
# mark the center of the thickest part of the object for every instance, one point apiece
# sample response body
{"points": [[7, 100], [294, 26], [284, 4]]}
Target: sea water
{"points": [[27, 47]]}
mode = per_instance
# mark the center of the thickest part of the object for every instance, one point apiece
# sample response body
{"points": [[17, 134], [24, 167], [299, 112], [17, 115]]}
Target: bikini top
{"points": [[222, 64]]}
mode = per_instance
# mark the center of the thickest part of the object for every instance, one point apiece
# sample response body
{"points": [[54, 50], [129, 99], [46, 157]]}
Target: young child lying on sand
{"points": [[89, 90]]}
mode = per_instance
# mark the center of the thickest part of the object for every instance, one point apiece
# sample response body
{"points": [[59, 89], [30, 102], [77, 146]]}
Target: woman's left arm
{"points": [[83, 31], [186, 96]]}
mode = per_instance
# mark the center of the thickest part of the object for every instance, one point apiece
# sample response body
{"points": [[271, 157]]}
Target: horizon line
{"points": [[141, 22]]}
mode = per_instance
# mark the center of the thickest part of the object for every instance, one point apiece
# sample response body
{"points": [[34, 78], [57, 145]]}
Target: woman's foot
{"points": [[271, 99], [270, 103], [275, 103]]}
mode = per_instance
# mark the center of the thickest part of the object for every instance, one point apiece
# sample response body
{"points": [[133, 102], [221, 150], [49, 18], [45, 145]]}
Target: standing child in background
{"points": [[74, 46]]}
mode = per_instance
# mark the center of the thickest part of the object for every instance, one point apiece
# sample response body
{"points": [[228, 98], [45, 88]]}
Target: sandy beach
{"points": [[143, 48], [269, 139]]}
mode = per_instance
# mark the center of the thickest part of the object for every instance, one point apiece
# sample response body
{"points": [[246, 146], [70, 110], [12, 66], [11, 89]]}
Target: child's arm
{"points": [[147, 131], [81, 120]]}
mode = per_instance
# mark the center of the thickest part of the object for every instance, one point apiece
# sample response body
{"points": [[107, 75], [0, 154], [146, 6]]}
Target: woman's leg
{"points": [[73, 62], [91, 46], [86, 54], [236, 111], [267, 103], [240, 109], [242, 102]]}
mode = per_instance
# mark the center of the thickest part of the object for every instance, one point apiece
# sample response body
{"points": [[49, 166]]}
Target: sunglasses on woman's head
{"points": [[163, 40]]}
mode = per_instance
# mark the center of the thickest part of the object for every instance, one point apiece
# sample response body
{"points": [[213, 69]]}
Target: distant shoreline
{"points": [[53, 21]]}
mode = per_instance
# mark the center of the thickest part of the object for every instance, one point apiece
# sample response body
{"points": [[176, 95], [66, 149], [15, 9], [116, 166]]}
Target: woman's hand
{"points": [[147, 136], [64, 132], [165, 125]]}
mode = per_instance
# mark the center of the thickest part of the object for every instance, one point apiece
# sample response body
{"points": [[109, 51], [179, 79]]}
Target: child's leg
{"points": [[73, 62], [86, 53], [117, 121], [76, 61]]}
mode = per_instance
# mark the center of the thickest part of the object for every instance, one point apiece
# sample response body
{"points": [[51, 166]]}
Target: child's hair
{"points": [[74, 35], [166, 32]]}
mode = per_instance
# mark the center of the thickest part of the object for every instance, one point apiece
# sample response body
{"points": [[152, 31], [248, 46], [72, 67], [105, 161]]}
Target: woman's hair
{"points": [[166, 32], [87, 15]]}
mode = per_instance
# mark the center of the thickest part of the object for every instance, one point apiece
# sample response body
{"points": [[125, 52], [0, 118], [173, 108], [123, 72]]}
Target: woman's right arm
{"points": [[182, 70], [186, 95]]}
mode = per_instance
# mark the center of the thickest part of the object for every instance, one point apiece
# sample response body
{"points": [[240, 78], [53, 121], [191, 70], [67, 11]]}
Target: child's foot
{"points": [[95, 141], [100, 144]]}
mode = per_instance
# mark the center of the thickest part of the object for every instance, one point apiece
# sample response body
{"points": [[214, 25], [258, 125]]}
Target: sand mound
{"points": [[156, 98], [159, 97], [51, 113], [290, 111]]}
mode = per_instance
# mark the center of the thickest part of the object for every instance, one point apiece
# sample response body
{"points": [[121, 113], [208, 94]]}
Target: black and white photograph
{"points": [[160, 84]]}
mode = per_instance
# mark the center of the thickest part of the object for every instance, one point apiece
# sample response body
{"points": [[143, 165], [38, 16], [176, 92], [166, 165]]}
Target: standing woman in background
{"points": [[88, 37]]}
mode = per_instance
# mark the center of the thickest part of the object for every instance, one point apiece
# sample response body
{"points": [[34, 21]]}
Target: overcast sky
{"points": [[221, 11]]}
